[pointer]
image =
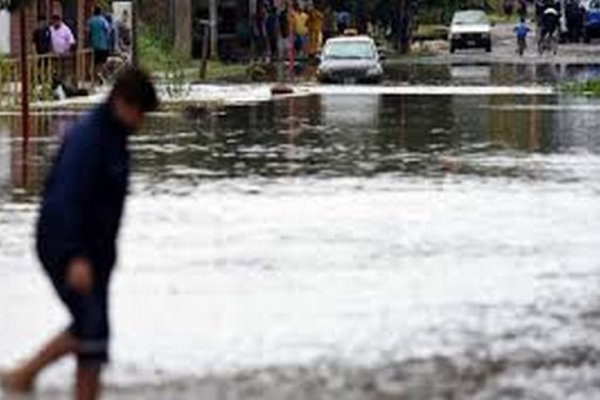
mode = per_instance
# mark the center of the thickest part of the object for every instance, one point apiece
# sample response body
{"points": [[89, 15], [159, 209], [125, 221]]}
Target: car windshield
{"points": [[358, 50], [470, 18], [594, 5]]}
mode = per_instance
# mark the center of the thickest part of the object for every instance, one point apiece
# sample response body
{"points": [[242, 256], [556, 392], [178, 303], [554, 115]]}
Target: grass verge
{"points": [[584, 88], [158, 56]]}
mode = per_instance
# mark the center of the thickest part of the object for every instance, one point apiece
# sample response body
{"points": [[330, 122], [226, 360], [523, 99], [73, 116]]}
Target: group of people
{"points": [[548, 16], [305, 27], [108, 36], [575, 13], [105, 37], [54, 38]]}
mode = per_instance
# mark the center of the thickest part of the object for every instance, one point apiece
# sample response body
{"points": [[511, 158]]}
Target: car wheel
{"points": [[586, 38], [488, 48], [452, 49]]}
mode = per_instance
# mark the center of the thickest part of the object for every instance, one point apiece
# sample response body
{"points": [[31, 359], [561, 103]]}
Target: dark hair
{"points": [[134, 86], [97, 11]]}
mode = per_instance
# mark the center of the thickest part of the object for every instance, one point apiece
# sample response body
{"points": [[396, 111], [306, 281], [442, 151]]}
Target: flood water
{"points": [[329, 247], [549, 73]]}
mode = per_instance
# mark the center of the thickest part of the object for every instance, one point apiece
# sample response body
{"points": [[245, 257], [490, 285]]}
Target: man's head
{"points": [[56, 21], [132, 96], [97, 11]]}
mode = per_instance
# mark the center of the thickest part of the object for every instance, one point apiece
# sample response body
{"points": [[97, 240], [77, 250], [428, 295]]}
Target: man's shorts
{"points": [[89, 312], [100, 57]]}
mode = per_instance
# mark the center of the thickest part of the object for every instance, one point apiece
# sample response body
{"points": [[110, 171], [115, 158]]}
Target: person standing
{"points": [[343, 22], [271, 28], [99, 32], [300, 18], [77, 231], [63, 41], [284, 29], [124, 42], [259, 37], [315, 31], [42, 38]]}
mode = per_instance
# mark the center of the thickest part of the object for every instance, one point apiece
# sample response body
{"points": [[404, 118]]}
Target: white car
{"points": [[350, 59], [469, 30]]}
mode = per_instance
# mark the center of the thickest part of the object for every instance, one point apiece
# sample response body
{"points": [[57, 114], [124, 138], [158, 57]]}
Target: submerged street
{"points": [[342, 245]]}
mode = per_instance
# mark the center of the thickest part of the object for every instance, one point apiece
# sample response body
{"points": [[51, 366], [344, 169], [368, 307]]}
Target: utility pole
{"points": [[24, 89], [134, 29], [24, 75], [404, 26], [214, 28], [183, 27]]}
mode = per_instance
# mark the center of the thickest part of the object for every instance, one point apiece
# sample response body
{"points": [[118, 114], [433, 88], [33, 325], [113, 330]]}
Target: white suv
{"points": [[470, 29]]}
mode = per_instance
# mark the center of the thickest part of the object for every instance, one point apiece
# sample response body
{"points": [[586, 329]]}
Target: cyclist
{"points": [[522, 30], [549, 23]]}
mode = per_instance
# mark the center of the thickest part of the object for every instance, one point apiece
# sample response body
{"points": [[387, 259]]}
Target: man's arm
{"points": [[71, 38]]}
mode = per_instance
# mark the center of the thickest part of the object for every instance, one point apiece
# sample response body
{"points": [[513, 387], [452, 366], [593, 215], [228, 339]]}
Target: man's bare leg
{"points": [[22, 379], [87, 386]]}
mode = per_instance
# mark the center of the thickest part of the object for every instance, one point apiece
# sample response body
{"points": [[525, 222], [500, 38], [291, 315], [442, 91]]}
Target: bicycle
{"points": [[548, 44]]}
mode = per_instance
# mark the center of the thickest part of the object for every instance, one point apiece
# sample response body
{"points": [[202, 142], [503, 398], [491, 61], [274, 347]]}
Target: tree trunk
{"points": [[404, 26], [214, 29], [183, 26]]}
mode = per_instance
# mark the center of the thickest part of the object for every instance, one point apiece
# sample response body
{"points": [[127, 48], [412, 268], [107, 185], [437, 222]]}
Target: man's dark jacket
{"points": [[85, 194]]}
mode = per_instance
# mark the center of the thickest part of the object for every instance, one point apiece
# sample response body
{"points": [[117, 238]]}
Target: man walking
{"points": [[100, 33], [77, 231]]}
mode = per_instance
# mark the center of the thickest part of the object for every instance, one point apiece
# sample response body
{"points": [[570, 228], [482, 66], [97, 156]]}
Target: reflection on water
{"points": [[490, 74], [333, 135]]}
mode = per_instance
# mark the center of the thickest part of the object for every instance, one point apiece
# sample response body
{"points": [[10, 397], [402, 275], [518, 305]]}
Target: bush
{"points": [[155, 51], [588, 88]]}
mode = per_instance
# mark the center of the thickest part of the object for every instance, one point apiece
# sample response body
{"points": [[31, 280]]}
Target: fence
{"points": [[76, 69]]}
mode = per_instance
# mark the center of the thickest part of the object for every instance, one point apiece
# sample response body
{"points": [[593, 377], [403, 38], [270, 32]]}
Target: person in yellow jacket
{"points": [[299, 23], [315, 31]]}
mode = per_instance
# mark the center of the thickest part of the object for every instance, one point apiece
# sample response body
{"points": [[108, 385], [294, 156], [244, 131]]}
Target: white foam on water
{"points": [[426, 90], [252, 93]]}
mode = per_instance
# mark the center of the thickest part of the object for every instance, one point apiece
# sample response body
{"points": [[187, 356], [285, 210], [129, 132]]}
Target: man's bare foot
{"points": [[15, 382]]}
